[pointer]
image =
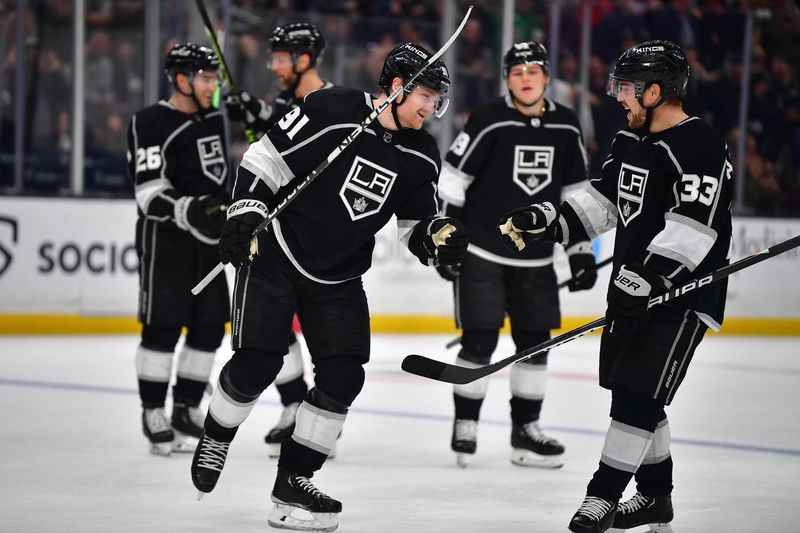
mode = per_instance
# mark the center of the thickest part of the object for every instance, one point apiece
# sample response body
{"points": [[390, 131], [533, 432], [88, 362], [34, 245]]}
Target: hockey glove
{"points": [[629, 296], [582, 266], [253, 112], [236, 244], [531, 223], [447, 241], [200, 214], [449, 272]]}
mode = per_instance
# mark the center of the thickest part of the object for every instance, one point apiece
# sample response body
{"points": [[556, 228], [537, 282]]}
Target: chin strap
{"points": [[192, 94], [394, 107]]}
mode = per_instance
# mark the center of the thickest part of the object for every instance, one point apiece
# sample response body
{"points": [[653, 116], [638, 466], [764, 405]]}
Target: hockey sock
{"points": [[624, 449], [319, 421], [292, 392], [527, 391], [153, 370], [193, 372], [654, 477], [468, 398]]}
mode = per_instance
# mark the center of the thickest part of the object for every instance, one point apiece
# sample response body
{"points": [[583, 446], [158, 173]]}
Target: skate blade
{"points": [[530, 459], [654, 528], [285, 516], [463, 459], [184, 443], [162, 449], [200, 495]]}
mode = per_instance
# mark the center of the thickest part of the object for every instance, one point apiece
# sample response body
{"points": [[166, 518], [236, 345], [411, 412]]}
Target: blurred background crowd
{"points": [[744, 58]]}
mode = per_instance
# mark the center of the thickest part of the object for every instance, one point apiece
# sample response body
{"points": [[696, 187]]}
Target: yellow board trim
{"points": [[84, 325]]}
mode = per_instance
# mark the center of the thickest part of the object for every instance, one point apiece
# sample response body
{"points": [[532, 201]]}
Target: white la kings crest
{"points": [[365, 188], [630, 197], [212, 158], [533, 167]]}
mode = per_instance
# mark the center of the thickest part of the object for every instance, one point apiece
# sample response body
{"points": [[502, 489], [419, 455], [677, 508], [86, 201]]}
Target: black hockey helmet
{"points": [[298, 39], [661, 62], [189, 58], [404, 60], [530, 53]]}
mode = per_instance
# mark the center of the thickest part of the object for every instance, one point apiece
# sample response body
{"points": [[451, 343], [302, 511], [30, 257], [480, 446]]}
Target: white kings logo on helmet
{"points": [[417, 51], [298, 33], [648, 49]]}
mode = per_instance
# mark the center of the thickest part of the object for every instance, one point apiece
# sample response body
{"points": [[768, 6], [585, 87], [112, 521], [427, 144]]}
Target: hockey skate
{"points": [[595, 515], [209, 458], [531, 447], [300, 506], [187, 423], [464, 440], [282, 431], [158, 431], [640, 510]]}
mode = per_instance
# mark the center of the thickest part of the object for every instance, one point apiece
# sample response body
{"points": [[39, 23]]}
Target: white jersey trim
{"points": [[597, 214], [267, 164], [453, 184], [684, 240], [483, 132], [580, 140], [420, 155], [493, 258], [145, 192], [276, 225], [573, 189]]}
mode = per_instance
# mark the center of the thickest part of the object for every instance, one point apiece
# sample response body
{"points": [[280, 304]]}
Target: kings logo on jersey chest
{"points": [[212, 158], [366, 188], [630, 196], [533, 167]]}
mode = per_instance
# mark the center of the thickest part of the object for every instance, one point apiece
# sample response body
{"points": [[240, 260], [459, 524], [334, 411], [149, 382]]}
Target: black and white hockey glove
{"points": [[447, 241], [629, 296], [251, 111], [537, 222], [236, 244], [582, 266], [200, 214]]}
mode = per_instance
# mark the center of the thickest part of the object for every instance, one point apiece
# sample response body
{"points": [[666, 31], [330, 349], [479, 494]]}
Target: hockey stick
{"points": [[338, 150], [561, 285], [225, 70], [459, 375]]}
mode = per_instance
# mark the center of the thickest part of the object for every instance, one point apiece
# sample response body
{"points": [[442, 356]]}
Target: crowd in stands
{"points": [[359, 34]]}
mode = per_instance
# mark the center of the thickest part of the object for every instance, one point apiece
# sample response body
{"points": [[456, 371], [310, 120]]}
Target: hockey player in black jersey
{"points": [[311, 260], [515, 150], [297, 50], [177, 161], [666, 186]]}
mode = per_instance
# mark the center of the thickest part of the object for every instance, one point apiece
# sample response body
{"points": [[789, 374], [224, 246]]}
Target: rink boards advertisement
{"points": [[68, 257]]}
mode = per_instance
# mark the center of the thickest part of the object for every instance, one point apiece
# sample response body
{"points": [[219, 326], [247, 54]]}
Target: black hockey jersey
{"points": [[328, 230], [172, 154], [285, 102], [503, 160], [669, 195]]}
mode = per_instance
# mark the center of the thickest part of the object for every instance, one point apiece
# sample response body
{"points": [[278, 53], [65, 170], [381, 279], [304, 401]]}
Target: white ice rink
{"points": [[73, 457]]}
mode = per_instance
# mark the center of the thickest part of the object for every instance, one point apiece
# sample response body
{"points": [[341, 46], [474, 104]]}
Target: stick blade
{"points": [[425, 367]]}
